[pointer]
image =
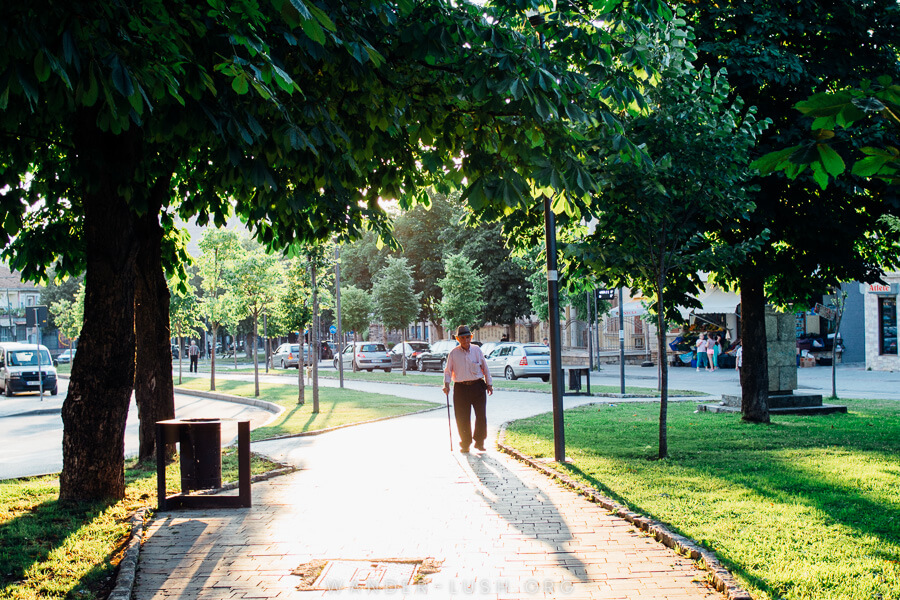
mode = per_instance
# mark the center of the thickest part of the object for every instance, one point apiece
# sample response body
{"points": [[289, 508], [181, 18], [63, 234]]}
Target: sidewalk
{"points": [[394, 490]]}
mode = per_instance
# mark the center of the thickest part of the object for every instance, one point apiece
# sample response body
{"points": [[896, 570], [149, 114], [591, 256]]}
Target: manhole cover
{"points": [[375, 574]]}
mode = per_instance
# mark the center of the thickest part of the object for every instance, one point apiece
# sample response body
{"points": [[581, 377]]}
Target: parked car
{"points": [[365, 355], [513, 360], [23, 367], [412, 349], [488, 347], [66, 356], [436, 357], [288, 355]]}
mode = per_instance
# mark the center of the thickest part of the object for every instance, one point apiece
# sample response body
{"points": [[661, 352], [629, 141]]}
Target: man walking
{"points": [[472, 382], [194, 353]]}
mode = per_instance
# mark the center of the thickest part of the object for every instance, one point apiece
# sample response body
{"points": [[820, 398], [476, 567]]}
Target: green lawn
{"points": [[54, 550], [804, 508], [337, 407]]}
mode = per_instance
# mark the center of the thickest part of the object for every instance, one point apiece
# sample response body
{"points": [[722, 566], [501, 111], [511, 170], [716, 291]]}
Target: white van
{"points": [[22, 365]]}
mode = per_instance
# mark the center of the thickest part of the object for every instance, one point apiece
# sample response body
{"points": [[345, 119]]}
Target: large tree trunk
{"points": [[755, 369], [96, 407], [153, 388]]}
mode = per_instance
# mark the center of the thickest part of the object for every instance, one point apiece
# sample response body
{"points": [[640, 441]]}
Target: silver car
{"points": [[365, 355], [288, 355], [514, 360]]}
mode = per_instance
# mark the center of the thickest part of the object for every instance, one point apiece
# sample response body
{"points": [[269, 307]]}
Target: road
{"points": [[32, 441]]}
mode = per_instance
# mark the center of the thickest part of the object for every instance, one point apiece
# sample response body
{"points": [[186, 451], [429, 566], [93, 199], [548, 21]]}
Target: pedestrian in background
{"points": [[711, 352], [194, 354], [701, 351], [739, 358], [718, 349], [472, 382]]}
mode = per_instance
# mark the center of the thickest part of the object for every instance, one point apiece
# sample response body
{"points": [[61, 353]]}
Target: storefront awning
{"points": [[632, 309], [714, 302]]}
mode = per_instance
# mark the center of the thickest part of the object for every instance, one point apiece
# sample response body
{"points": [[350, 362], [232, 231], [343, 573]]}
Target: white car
{"points": [[513, 360], [288, 355], [66, 356], [365, 355], [25, 367]]}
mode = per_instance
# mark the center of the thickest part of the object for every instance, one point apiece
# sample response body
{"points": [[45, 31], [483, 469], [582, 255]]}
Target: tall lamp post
{"points": [[535, 18], [556, 377]]}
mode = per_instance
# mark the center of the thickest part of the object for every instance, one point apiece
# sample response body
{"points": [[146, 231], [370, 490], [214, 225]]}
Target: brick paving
{"points": [[394, 490]]}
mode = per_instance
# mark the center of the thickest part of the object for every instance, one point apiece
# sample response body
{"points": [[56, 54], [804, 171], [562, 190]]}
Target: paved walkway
{"points": [[394, 490]]}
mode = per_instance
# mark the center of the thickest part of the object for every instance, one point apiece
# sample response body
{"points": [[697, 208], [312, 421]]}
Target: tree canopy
{"points": [[298, 116], [777, 54]]}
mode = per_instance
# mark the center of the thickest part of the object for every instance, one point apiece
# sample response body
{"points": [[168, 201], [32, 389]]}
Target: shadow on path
{"points": [[528, 509]]}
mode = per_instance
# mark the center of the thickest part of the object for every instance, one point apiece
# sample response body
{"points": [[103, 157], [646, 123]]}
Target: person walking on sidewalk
{"points": [[194, 353], [472, 382]]}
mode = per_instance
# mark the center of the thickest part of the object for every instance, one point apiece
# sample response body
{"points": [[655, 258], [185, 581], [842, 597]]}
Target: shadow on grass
{"points": [[29, 538], [837, 470], [267, 431]]}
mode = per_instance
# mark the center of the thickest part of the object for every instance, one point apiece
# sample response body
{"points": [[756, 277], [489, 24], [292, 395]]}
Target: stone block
{"points": [[771, 326], [788, 378], [787, 328]]}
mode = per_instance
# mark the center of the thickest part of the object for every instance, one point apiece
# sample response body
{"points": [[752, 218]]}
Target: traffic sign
{"points": [[332, 330]]}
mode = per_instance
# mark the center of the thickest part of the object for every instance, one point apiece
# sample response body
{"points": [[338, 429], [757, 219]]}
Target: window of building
{"points": [[887, 325]]}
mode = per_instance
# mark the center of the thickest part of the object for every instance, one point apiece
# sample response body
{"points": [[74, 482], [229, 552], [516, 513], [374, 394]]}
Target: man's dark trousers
{"points": [[193, 367], [466, 397]]}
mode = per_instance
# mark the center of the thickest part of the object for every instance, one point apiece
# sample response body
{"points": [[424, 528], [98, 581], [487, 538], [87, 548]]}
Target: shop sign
{"points": [[881, 289], [826, 312]]}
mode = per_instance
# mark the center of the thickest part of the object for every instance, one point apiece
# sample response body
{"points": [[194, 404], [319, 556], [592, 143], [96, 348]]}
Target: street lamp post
{"points": [[556, 382], [535, 18]]}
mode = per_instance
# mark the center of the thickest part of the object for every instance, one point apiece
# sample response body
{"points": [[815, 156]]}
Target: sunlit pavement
{"points": [[394, 489]]}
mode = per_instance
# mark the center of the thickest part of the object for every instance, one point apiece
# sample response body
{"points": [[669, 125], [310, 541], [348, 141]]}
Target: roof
{"points": [[12, 280]]}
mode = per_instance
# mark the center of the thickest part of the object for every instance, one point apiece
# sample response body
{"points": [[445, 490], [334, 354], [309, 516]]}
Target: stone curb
{"points": [[717, 574], [128, 566], [127, 572], [267, 406]]}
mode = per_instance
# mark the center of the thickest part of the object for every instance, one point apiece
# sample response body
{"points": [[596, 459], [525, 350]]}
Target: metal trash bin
{"points": [[200, 446], [200, 442], [574, 380]]}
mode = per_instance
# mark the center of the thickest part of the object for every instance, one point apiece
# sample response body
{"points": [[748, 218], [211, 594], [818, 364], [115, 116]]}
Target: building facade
{"points": [[880, 308]]}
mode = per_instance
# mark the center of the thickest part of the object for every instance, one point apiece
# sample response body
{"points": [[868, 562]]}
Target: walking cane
{"points": [[449, 427]]}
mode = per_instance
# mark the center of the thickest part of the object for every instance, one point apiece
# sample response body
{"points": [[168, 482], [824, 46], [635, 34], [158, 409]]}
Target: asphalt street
{"points": [[32, 429]]}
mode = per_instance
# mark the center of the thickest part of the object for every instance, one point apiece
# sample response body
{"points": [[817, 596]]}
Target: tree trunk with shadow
{"points": [[755, 369], [96, 407], [153, 388]]}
